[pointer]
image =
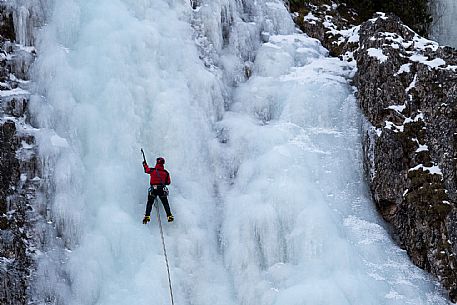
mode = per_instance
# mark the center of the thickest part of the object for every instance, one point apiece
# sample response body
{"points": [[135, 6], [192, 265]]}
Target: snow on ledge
{"points": [[379, 15], [395, 128], [397, 108], [310, 17], [377, 53], [432, 169], [434, 63], [16, 91], [419, 116], [422, 148], [404, 68]]}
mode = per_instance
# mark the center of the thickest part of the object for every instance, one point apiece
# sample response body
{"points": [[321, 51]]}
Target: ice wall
{"points": [[269, 201], [117, 76], [444, 26], [28, 16], [299, 224]]}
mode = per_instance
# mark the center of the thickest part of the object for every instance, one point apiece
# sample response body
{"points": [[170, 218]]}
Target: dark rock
{"points": [[15, 264], [8, 162], [19, 165], [414, 13], [407, 90], [6, 24], [327, 21]]}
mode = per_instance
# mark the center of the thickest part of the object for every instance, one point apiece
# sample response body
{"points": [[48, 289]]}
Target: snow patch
{"points": [[412, 84], [422, 148], [13, 92], [405, 68], [378, 54], [397, 108], [310, 17], [432, 169]]}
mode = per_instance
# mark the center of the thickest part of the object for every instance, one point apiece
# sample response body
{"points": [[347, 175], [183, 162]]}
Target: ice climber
{"points": [[160, 178]]}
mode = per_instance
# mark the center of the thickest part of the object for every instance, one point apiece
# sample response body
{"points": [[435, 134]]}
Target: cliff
{"points": [[406, 87], [407, 90], [19, 175]]}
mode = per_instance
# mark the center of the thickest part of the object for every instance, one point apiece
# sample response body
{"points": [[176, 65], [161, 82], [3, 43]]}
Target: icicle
{"points": [[28, 15], [21, 18]]}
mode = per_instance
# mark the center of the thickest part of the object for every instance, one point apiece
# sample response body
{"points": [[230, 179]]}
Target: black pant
{"points": [[152, 195]]}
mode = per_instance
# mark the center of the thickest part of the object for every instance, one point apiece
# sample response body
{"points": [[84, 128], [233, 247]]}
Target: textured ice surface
{"points": [[27, 16], [444, 26], [267, 190]]}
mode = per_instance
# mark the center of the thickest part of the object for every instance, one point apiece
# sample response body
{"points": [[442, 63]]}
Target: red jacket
{"points": [[159, 174]]}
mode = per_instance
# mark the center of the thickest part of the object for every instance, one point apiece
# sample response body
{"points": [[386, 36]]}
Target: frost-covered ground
{"points": [[267, 185]]}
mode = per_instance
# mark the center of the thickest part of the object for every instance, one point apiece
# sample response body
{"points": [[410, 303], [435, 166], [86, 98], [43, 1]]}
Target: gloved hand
{"points": [[144, 163]]}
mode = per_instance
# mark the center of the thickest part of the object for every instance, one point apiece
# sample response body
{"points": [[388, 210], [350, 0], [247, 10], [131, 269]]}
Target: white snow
{"points": [[13, 92], [396, 128], [419, 46], [404, 68], [350, 35], [377, 53], [25, 145], [354, 34], [267, 189], [422, 148], [398, 108], [309, 17], [431, 169], [422, 43], [434, 63], [418, 58], [412, 84], [419, 116], [379, 15]]}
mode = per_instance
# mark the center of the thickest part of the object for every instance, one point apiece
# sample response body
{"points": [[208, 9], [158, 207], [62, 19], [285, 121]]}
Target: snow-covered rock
{"points": [[19, 167], [407, 90]]}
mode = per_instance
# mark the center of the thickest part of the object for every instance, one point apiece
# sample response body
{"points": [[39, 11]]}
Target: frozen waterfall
{"points": [[444, 26], [260, 130]]}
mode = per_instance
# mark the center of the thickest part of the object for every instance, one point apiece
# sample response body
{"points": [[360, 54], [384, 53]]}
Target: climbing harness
{"points": [[165, 253]]}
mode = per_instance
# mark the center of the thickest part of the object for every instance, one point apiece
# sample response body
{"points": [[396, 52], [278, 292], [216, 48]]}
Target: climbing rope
{"points": [[165, 254]]}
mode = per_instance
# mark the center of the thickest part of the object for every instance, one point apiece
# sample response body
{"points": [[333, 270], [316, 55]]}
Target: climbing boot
{"points": [[146, 219], [170, 218]]}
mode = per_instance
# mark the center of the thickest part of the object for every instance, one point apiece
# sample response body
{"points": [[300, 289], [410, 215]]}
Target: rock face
{"points": [[19, 171], [331, 23], [407, 90]]}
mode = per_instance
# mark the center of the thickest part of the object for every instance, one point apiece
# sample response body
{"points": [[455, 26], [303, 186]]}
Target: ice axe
{"points": [[144, 157]]}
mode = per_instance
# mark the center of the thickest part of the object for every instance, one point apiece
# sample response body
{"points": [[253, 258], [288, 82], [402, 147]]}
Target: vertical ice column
{"points": [[444, 26], [21, 18], [28, 14]]}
